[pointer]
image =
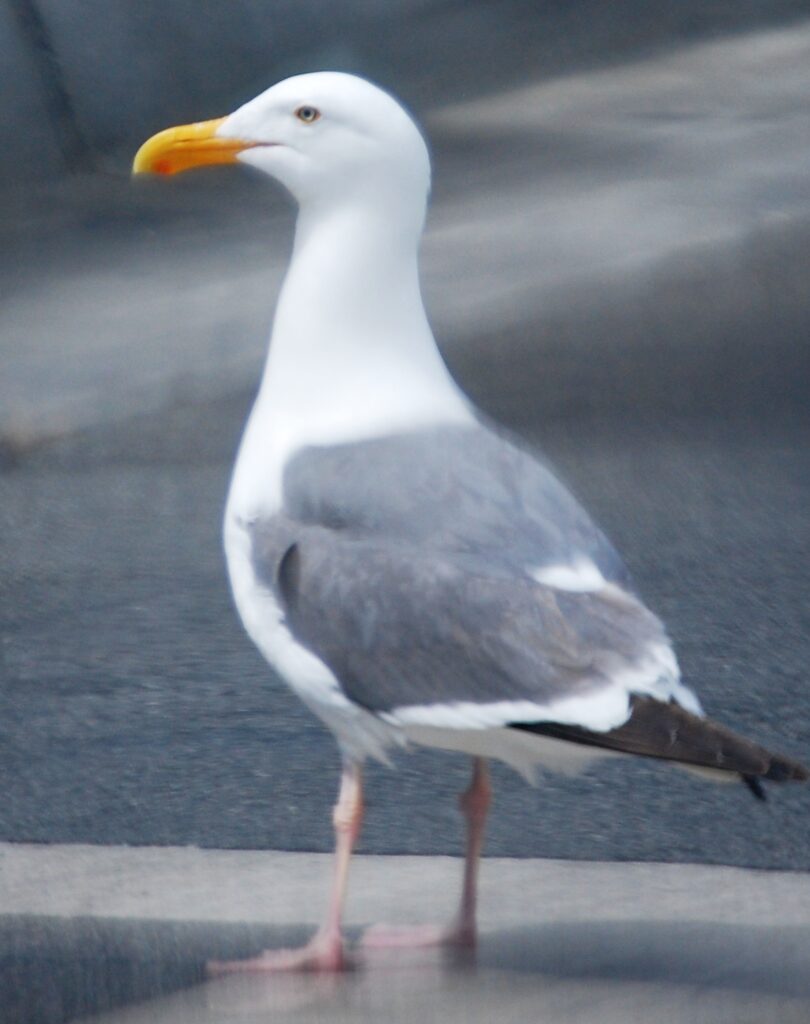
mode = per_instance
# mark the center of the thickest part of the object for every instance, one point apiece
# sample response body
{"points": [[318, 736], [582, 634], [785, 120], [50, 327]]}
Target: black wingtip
{"points": [[783, 769], [755, 786]]}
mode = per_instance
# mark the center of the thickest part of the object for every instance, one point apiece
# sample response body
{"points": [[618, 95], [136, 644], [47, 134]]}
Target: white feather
{"points": [[581, 576]]}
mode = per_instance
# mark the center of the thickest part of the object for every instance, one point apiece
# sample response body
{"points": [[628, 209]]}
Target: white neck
{"points": [[351, 355]]}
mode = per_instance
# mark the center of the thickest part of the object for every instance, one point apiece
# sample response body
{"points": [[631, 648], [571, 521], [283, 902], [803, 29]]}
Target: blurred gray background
{"points": [[616, 265]]}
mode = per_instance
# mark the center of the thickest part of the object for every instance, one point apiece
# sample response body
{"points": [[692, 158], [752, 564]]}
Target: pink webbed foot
{"points": [[382, 936], [324, 953]]}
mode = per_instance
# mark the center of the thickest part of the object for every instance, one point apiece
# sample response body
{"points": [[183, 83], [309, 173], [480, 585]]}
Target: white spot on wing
{"points": [[580, 576]]}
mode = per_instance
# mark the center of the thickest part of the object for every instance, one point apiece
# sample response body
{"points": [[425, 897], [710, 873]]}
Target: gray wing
{"points": [[400, 626], [461, 491]]}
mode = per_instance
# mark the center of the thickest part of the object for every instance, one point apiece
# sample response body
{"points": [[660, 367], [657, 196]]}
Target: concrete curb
{"points": [[190, 884], [125, 932]]}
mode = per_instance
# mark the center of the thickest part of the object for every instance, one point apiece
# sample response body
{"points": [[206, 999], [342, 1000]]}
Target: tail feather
{"points": [[668, 731]]}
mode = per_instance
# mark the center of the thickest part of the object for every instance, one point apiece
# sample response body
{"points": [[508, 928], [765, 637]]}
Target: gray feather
{"points": [[462, 490], [404, 564], [399, 626]]}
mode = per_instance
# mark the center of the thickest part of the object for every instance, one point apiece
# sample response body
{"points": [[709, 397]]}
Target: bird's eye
{"points": [[307, 114]]}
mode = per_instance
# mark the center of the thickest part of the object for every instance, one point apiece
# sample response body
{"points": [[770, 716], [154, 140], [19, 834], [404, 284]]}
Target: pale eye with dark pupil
{"points": [[307, 114]]}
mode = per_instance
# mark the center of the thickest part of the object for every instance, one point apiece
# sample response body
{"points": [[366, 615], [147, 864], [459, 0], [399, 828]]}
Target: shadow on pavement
{"points": [[57, 969]]}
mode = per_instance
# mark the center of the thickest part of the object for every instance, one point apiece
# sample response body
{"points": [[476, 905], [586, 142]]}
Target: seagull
{"points": [[414, 573]]}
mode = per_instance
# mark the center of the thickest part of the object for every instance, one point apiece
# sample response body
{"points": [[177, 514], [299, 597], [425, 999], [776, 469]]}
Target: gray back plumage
{"points": [[403, 563], [468, 491]]}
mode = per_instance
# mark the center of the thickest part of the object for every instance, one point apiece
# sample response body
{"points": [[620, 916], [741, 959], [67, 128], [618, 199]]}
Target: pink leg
{"points": [[325, 950], [475, 806], [462, 930]]}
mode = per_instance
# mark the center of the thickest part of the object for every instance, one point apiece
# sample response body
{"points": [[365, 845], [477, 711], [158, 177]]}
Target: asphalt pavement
{"points": [[135, 710], [620, 275]]}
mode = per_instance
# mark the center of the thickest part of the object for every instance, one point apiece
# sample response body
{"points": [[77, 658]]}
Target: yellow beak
{"points": [[189, 145]]}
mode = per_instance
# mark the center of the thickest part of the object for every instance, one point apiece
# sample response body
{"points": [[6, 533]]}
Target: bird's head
{"points": [[328, 137]]}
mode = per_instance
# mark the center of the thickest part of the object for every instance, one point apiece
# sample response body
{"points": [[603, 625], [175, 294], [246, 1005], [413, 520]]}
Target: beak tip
{"points": [[141, 164]]}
